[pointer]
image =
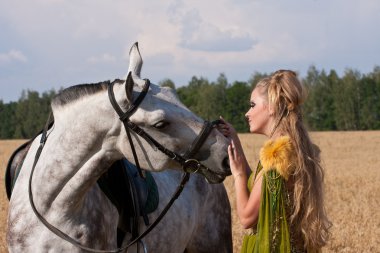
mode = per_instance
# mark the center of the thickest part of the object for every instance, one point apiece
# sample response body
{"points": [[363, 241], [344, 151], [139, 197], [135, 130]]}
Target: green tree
{"points": [[31, 113], [369, 105], [237, 104], [167, 83], [7, 119], [213, 98], [319, 110], [347, 101], [190, 95]]}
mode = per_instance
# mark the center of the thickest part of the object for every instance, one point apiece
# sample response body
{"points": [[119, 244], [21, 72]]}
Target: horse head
{"points": [[162, 115]]}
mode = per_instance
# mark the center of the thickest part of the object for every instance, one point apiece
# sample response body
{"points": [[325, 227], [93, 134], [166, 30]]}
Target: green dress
{"points": [[272, 231]]}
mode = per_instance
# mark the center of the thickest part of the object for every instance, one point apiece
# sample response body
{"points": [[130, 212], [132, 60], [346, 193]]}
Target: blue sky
{"points": [[48, 44]]}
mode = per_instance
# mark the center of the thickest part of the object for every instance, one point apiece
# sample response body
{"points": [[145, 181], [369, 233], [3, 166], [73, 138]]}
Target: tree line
{"points": [[334, 103]]}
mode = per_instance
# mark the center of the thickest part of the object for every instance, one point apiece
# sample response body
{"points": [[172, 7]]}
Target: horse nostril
{"points": [[226, 164]]}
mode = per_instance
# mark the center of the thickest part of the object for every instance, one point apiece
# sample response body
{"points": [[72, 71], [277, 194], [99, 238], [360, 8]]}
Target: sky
{"points": [[53, 44]]}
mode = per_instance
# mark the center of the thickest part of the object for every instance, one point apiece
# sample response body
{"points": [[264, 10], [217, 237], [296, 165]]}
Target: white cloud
{"points": [[198, 34], [104, 58], [210, 38], [13, 56]]}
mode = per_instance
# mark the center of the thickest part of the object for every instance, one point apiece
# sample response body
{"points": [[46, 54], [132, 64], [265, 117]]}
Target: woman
{"points": [[283, 203]]}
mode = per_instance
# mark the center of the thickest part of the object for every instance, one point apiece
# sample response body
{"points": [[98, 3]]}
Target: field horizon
{"points": [[352, 189]]}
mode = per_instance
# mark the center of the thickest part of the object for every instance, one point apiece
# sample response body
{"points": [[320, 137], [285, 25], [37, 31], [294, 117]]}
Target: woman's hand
{"points": [[228, 130], [238, 162]]}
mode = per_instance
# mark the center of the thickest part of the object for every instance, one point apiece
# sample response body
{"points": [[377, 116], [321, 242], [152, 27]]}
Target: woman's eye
{"points": [[251, 104], [161, 124]]}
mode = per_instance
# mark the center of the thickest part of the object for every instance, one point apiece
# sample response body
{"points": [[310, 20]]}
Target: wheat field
{"points": [[352, 163]]}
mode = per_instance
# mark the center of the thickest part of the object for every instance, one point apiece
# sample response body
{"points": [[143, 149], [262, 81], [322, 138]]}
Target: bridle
{"points": [[189, 164]]}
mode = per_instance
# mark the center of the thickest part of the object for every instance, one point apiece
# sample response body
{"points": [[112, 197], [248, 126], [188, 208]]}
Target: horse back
{"points": [[14, 165]]}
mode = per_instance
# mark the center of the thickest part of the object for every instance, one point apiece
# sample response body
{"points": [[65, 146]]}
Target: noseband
{"points": [[189, 164]]}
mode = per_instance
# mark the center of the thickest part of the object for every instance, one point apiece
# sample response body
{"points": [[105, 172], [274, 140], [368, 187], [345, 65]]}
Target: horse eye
{"points": [[161, 124]]}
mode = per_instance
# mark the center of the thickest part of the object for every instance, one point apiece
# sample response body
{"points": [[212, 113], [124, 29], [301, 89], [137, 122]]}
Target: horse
{"points": [[92, 129]]}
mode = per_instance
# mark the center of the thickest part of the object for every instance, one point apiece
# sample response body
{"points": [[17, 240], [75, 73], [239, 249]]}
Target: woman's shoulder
{"points": [[279, 155]]}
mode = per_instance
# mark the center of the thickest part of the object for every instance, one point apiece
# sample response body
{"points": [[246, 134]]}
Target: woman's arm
{"points": [[248, 204]]}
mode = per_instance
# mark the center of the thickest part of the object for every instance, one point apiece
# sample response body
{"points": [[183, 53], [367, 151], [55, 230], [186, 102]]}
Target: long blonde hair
{"points": [[285, 95]]}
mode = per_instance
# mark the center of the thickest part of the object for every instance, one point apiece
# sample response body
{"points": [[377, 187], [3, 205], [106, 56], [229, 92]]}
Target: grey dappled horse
{"points": [[86, 138]]}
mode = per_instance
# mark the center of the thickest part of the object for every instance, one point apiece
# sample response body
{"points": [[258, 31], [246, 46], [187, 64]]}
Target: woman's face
{"points": [[258, 116]]}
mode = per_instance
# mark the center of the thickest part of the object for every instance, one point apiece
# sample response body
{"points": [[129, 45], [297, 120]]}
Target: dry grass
{"points": [[6, 149], [352, 163]]}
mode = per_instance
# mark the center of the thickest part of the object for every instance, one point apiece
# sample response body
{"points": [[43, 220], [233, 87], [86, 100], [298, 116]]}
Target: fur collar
{"points": [[279, 155]]}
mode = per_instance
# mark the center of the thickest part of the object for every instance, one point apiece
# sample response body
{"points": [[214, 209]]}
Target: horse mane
{"points": [[76, 92]]}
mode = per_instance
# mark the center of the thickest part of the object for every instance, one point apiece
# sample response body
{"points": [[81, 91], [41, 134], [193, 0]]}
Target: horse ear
{"points": [[129, 86], [135, 60]]}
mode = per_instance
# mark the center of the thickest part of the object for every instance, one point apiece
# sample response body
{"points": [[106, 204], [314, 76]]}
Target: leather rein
{"points": [[189, 165]]}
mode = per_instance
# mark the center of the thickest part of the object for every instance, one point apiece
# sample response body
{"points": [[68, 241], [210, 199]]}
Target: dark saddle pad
{"points": [[121, 183], [126, 188], [14, 165]]}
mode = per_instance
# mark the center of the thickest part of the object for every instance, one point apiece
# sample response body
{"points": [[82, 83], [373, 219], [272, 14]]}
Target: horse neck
{"points": [[78, 151]]}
